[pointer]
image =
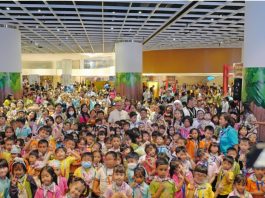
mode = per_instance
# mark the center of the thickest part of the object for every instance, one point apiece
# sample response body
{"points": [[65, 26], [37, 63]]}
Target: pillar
{"points": [[67, 72], [10, 63], [128, 57], [254, 61]]}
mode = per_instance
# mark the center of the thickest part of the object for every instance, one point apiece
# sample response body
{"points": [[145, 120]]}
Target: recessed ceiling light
{"points": [[37, 26], [66, 38], [212, 19], [58, 30], [221, 15], [140, 12], [7, 8], [113, 12], [174, 39], [111, 28], [39, 10]]}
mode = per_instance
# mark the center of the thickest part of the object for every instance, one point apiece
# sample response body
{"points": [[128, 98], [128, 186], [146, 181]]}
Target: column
{"points": [[128, 57], [10, 63], [66, 72], [254, 61]]}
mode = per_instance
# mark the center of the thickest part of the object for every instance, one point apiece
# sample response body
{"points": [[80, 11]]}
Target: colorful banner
{"points": [[253, 92], [10, 83], [129, 85]]}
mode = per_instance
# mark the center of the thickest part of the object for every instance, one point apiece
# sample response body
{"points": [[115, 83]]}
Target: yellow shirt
{"points": [[203, 191], [223, 179], [6, 155], [87, 175], [65, 166]]}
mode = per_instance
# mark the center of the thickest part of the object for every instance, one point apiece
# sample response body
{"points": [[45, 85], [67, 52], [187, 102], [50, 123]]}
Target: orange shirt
{"points": [[204, 144], [253, 186], [192, 147]]}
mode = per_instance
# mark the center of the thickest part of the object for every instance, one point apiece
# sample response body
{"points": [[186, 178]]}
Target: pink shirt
{"points": [[40, 193], [62, 184], [178, 194]]}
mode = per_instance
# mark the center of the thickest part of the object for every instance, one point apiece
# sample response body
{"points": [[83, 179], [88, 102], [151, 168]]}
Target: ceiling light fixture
{"points": [[113, 12], [174, 39], [37, 26], [58, 30], [7, 8], [111, 28], [212, 19], [140, 12], [39, 10]]}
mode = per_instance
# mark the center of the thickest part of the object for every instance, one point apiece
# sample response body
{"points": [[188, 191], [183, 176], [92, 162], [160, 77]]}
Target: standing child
{"points": [[140, 188], [22, 184], [161, 147], [206, 142], [48, 188], [103, 178], [86, 171], [118, 184], [193, 143], [233, 153], [4, 180], [214, 152], [200, 188], [132, 159], [97, 160], [240, 188], [178, 175], [225, 178], [162, 186], [255, 183], [77, 188], [61, 181]]}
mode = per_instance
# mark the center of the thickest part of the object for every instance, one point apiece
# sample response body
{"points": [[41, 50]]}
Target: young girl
{"points": [[214, 154], [103, 178], [97, 160], [149, 161], [48, 188], [177, 174], [86, 171], [240, 187], [61, 181], [22, 184], [193, 143], [66, 161], [118, 184], [140, 188], [162, 186], [185, 129], [77, 188], [200, 188], [4, 180]]}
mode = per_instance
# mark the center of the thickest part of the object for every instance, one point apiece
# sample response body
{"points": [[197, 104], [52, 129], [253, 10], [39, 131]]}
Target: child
{"points": [[240, 187], [252, 139], [161, 147], [255, 183], [242, 132], [90, 142], [182, 155], [86, 171], [193, 143], [61, 181], [97, 160], [140, 188], [233, 153], [22, 184], [66, 161], [244, 149], [48, 188], [149, 161], [132, 159], [200, 188], [4, 179], [214, 152], [178, 175], [205, 143], [225, 178], [77, 188], [103, 178], [118, 184], [185, 129], [7, 149], [116, 143], [22, 131], [162, 186]]}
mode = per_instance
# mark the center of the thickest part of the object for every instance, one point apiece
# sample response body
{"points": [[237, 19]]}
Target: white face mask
{"points": [[71, 112], [132, 165]]}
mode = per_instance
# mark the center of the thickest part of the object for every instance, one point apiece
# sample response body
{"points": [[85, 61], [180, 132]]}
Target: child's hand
{"points": [[13, 181]]}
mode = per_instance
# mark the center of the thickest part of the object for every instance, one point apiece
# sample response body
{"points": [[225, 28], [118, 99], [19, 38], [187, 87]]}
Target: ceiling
{"points": [[95, 26]]}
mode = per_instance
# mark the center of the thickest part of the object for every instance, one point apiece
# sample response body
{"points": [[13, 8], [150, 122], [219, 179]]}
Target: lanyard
{"points": [[259, 184]]}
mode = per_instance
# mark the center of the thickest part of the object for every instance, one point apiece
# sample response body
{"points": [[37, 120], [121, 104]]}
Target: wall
{"points": [[190, 60]]}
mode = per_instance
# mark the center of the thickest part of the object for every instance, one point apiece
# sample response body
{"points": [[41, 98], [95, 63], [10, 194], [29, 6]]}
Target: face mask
{"points": [[132, 165], [86, 164], [71, 112]]}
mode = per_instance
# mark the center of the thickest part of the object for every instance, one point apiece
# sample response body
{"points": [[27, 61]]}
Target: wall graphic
{"points": [[254, 93], [129, 85], [10, 83]]}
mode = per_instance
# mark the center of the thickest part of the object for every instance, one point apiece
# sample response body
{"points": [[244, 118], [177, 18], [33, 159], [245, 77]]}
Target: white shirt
{"points": [[225, 106], [116, 115]]}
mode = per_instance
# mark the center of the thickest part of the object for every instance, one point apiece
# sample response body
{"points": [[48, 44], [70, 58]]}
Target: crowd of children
{"points": [[72, 145]]}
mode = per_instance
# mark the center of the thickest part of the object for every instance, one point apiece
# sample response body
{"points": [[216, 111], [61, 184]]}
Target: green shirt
{"points": [[168, 192]]}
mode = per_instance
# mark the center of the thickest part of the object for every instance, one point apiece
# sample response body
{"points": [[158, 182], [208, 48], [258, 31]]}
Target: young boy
{"points": [[255, 183], [232, 152], [132, 159], [116, 143], [225, 178], [205, 143], [200, 188], [161, 147], [22, 131]]}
